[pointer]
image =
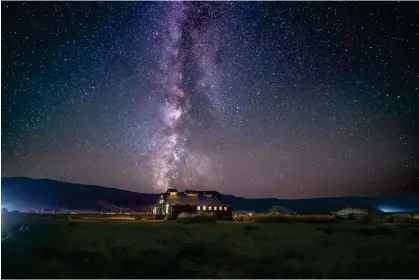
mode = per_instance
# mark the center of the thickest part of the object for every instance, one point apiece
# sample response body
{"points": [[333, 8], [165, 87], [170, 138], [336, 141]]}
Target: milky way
{"points": [[281, 99], [187, 36]]}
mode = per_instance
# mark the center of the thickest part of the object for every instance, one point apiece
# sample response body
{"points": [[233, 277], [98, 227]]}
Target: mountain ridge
{"points": [[24, 193]]}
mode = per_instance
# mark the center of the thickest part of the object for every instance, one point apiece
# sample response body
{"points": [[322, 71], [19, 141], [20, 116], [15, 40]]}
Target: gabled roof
{"points": [[181, 198]]}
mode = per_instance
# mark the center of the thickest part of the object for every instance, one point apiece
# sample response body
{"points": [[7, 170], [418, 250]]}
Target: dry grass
{"points": [[105, 218], [401, 218], [58, 248], [275, 218]]}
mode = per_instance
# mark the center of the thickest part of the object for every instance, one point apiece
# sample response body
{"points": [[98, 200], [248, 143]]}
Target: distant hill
{"points": [[395, 203], [26, 193]]}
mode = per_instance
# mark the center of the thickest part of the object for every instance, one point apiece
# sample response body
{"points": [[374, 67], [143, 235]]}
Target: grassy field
{"points": [[58, 248]]}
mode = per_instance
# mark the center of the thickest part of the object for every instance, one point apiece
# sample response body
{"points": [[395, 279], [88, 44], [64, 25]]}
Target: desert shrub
{"points": [[294, 218], [196, 218], [366, 220]]}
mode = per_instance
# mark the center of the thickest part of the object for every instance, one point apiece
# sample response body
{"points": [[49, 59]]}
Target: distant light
{"points": [[391, 209]]}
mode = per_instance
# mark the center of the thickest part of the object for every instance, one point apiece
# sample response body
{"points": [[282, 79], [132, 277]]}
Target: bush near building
{"points": [[196, 218]]}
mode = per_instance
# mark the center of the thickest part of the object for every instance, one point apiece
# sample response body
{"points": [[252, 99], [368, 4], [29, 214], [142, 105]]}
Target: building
{"points": [[172, 203], [350, 213]]}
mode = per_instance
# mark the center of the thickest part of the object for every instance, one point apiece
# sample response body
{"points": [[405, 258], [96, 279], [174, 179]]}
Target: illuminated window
{"points": [[173, 193], [225, 208], [198, 208], [204, 207], [210, 208], [215, 208], [191, 194], [167, 208]]}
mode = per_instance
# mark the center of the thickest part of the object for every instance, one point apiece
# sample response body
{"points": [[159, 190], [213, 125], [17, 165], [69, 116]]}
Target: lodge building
{"points": [[172, 203]]}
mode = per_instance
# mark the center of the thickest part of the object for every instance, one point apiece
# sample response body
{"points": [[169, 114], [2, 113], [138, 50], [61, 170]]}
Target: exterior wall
{"points": [[177, 209], [159, 210], [163, 209]]}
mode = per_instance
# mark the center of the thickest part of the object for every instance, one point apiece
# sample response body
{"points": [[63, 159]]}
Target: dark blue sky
{"points": [[294, 99]]}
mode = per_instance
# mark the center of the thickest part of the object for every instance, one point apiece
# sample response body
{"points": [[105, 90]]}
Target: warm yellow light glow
{"points": [[204, 207], [192, 194], [173, 193], [215, 208], [210, 208], [198, 207]]}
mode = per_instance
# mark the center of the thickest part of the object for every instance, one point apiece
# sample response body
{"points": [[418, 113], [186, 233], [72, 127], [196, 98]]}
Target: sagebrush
{"points": [[196, 218]]}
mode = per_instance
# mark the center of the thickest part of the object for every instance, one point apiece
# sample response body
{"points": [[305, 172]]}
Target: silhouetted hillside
{"points": [[27, 193], [399, 203], [30, 193]]}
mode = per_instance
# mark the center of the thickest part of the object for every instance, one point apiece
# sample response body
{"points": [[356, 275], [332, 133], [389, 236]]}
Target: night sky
{"points": [[257, 99]]}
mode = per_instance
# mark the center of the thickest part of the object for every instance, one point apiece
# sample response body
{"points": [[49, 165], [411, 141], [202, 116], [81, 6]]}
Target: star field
{"points": [[291, 99]]}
